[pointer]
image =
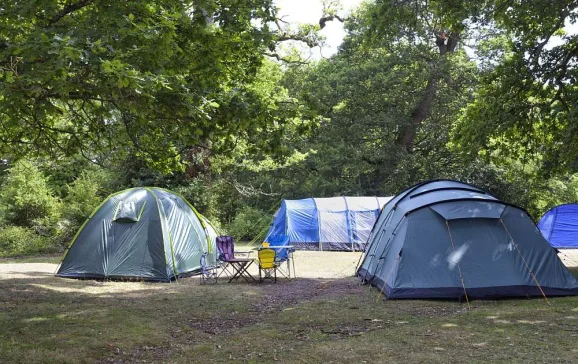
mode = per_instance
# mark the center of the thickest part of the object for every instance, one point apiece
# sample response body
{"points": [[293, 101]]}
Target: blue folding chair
{"points": [[283, 253], [208, 273]]}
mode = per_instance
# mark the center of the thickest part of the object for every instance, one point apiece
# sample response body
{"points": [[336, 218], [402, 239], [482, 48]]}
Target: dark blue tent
{"points": [[447, 239], [560, 226], [334, 223]]}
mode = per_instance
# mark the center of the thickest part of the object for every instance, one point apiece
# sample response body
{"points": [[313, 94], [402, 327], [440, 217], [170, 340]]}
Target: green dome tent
{"points": [[447, 239], [140, 233]]}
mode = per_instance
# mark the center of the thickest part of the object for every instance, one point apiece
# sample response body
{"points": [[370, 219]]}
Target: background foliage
{"points": [[197, 97]]}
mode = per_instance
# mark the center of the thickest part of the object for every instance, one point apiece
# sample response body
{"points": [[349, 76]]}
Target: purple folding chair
{"points": [[235, 267]]}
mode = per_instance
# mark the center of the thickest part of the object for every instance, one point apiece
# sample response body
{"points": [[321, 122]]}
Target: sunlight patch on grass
{"points": [[106, 289], [530, 322], [35, 319], [84, 313], [503, 322]]}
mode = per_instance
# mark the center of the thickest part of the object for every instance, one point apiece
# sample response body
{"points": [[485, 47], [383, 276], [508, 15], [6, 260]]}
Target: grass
{"points": [[307, 320]]}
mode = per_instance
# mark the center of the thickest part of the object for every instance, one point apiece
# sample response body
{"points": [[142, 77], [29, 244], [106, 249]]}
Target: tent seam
{"points": [[196, 214], [161, 212]]}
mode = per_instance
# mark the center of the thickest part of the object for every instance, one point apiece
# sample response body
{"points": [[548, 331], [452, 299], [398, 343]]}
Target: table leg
{"points": [[241, 271], [237, 268], [245, 274]]}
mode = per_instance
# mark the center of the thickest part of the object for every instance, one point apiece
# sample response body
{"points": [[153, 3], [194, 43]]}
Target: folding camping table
{"points": [[240, 266]]}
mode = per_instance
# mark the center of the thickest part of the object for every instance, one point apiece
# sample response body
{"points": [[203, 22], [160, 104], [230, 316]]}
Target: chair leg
{"points": [[260, 279], [275, 272], [224, 270]]}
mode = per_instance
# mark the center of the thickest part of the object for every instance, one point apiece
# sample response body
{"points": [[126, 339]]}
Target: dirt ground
{"points": [[308, 264], [25, 270], [569, 257]]}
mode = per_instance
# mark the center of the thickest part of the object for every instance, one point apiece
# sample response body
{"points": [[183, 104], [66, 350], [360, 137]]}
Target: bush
{"points": [[196, 192], [82, 197], [18, 240], [27, 199], [249, 223]]}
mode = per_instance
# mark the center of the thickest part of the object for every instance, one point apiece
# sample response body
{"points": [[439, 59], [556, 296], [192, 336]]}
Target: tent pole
{"points": [[358, 262], [318, 224], [525, 263], [386, 244], [366, 250], [458, 264], [348, 223], [376, 221]]}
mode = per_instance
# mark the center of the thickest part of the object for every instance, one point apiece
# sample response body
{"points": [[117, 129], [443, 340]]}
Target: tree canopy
{"points": [[198, 96], [150, 78]]}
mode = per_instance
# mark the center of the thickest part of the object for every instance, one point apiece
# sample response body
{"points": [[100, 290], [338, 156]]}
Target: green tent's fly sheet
{"points": [[141, 233]]}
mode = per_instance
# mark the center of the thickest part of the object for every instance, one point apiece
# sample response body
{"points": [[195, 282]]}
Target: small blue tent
{"points": [[334, 223], [559, 226], [447, 239]]}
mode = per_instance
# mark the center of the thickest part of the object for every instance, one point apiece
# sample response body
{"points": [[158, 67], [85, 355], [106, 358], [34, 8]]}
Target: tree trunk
{"points": [[447, 43], [198, 161], [407, 133]]}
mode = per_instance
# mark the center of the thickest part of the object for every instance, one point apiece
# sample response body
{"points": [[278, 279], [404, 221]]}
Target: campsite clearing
{"points": [[306, 320]]}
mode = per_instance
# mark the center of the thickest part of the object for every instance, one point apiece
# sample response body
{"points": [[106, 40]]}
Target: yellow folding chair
{"points": [[267, 265]]}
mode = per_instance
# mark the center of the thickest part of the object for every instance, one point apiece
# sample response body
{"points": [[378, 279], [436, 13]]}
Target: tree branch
{"points": [[327, 18], [285, 60], [70, 8]]}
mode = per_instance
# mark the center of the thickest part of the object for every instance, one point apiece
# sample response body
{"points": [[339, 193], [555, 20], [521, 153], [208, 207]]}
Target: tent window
{"points": [[127, 212]]}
